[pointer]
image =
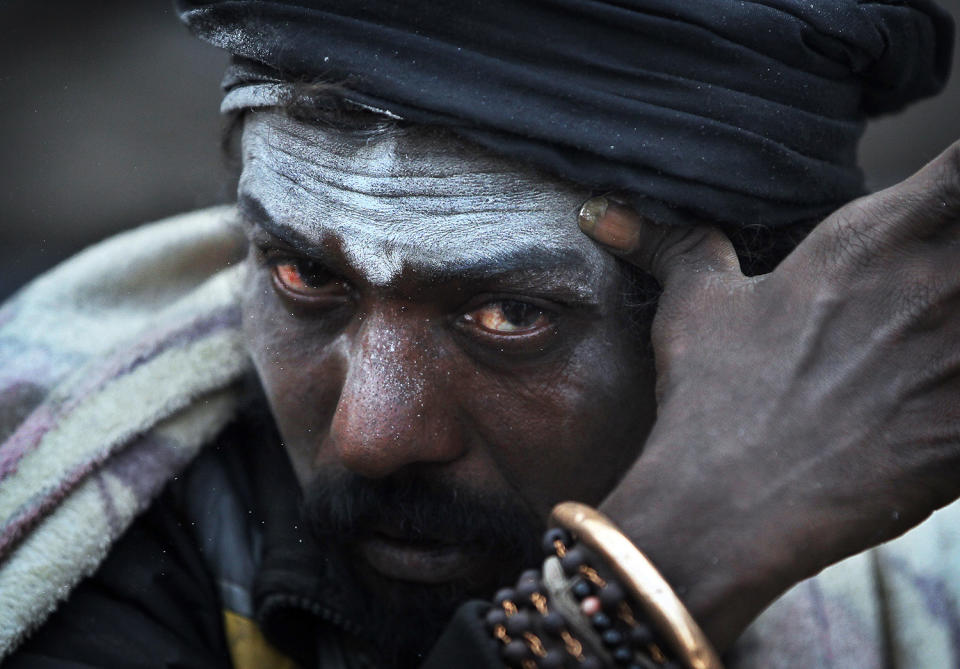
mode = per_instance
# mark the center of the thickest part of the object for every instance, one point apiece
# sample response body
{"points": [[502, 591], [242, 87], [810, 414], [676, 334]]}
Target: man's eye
{"points": [[307, 278], [509, 317]]}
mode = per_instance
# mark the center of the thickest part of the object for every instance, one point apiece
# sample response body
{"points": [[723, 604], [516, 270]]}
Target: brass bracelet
{"points": [[638, 575]]}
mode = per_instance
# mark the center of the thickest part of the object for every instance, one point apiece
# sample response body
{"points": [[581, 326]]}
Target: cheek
{"points": [[293, 359], [567, 433]]}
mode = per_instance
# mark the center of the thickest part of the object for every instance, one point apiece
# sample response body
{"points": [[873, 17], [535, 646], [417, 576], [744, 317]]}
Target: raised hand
{"points": [[803, 415]]}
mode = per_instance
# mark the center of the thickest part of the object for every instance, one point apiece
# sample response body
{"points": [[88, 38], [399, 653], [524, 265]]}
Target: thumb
{"points": [[672, 254]]}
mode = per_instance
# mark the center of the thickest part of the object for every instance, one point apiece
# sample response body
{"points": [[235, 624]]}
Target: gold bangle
{"points": [[652, 592]]}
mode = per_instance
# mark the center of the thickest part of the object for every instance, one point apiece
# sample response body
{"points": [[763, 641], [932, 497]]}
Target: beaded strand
{"points": [[532, 635]]}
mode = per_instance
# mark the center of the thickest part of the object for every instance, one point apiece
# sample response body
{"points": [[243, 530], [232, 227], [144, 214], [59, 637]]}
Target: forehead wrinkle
{"points": [[454, 207], [409, 237], [386, 168], [328, 155], [442, 213], [456, 216], [501, 253], [429, 145], [371, 209], [326, 159]]}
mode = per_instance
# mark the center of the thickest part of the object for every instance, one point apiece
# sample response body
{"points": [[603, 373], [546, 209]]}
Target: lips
{"points": [[419, 562]]}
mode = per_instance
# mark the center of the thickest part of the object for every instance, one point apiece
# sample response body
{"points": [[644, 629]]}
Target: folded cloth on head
{"points": [[736, 111]]}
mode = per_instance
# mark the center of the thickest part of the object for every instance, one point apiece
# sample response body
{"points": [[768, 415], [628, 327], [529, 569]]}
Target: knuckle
{"points": [[650, 249], [679, 245]]}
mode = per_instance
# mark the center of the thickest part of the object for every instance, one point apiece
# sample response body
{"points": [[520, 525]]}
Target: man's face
{"points": [[435, 338]]}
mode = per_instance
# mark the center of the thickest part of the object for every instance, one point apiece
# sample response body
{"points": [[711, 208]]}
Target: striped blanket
{"points": [[119, 365], [115, 368]]}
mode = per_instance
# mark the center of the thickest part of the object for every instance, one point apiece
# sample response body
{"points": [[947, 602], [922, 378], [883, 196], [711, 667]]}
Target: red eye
{"points": [[306, 278], [289, 275], [509, 317]]}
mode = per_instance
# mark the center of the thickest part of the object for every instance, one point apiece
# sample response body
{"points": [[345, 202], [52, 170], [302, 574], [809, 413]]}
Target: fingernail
{"points": [[591, 212], [612, 227]]}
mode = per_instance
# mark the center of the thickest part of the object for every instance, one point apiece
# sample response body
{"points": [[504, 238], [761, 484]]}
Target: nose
{"points": [[393, 410]]}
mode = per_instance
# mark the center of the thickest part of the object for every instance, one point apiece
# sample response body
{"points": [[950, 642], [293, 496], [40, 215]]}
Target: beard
{"points": [[341, 510]]}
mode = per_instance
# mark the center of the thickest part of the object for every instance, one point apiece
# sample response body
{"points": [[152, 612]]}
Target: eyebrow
{"points": [[535, 263], [253, 212]]}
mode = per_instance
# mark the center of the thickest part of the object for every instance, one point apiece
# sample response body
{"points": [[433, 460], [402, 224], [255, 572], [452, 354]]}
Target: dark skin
{"points": [[522, 384], [804, 415], [801, 416]]}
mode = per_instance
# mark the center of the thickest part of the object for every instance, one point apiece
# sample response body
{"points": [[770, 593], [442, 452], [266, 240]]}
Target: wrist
{"points": [[632, 569], [726, 565]]}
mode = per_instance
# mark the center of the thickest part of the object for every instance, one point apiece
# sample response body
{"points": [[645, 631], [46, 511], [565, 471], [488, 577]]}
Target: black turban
{"points": [[736, 111]]}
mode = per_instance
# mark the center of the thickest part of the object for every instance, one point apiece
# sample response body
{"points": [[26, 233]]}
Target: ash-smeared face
{"points": [[415, 198], [426, 316]]}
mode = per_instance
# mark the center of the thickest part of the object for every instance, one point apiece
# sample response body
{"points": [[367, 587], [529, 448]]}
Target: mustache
{"points": [[410, 506]]}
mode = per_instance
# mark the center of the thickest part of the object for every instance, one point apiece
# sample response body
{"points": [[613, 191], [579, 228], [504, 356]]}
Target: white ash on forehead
{"points": [[419, 199]]}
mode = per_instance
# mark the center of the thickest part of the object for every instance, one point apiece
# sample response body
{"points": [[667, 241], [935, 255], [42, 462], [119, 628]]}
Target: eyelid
{"points": [[276, 252], [476, 317], [522, 343], [550, 297], [269, 244], [338, 291], [549, 307]]}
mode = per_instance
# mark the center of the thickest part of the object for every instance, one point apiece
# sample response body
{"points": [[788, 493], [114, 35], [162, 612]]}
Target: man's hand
{"points": [[804, 415]]}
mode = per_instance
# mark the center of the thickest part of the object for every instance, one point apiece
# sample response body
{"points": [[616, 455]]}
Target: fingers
{"points": [[670, 253]]}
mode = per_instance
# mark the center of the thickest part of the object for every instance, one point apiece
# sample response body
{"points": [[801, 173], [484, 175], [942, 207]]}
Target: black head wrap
{"points": [[737, 111]]}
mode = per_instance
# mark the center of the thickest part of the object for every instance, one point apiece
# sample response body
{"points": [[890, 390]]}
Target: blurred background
{"points": [[109, 118]]}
